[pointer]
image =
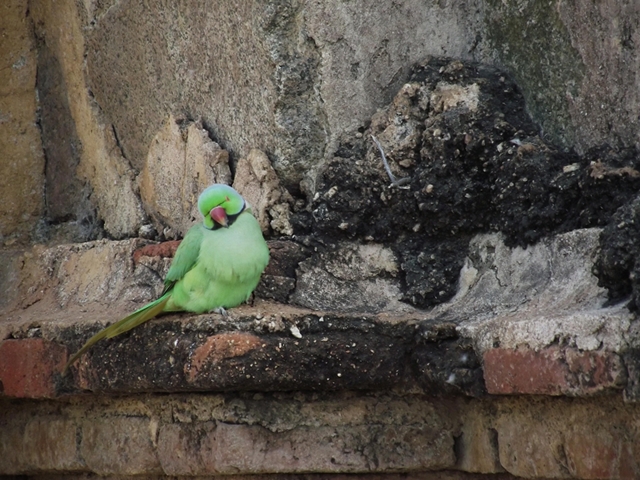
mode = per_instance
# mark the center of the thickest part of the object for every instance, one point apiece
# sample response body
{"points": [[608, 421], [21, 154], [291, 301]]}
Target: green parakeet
{"points": [[216, 266]]}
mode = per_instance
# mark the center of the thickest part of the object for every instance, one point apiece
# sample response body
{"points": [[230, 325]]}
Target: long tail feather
{"points": [[127, 323]]}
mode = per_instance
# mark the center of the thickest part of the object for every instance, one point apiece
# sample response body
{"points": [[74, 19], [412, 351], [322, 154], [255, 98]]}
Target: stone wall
{"points": [[291, 435], [478, 322], [22, 165], [286, 77]]}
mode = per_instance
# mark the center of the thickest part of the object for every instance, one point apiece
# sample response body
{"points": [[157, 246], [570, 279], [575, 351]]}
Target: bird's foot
{"points": [[221, 311], [250, 300]]}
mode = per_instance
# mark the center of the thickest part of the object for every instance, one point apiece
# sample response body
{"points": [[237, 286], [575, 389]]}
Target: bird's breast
{"points": [[235, 254]]}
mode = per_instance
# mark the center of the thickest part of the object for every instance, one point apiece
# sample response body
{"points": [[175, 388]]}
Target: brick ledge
{"points": [[298, 349]]}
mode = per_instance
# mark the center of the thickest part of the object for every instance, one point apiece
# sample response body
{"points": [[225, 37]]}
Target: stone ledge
{"points": [[271, 347], [437, 475], [292, 349]]}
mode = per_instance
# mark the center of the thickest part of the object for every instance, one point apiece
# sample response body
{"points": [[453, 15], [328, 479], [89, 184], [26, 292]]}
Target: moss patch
{"points": [[529, 40]]}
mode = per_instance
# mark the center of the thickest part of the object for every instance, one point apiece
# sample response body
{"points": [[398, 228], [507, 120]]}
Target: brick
{"points": [[477, 446], [407, 447], [551, 371], [530, 448], [253, 449], [209, 448], [595, 371], [220, 347], [12, 451], [28, 367], [47, 442], [164, 250], [50, 444], [597, 451], [119, 445], [180, 447], [206, 448], [569, 438]]}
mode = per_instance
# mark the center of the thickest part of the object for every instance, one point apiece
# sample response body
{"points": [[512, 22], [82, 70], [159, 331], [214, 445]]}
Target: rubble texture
{"points": [[472, 315], [472, 160]]}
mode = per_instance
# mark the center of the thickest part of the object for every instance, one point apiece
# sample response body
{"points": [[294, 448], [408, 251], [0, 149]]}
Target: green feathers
{"points": [[216, 266]]}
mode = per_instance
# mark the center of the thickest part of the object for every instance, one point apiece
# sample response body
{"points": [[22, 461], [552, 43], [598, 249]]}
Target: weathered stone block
{"points": [[69, 215], [22, 164], [350, 277], [66, 276], [279, 278], [258, 183], [50, 443], [536, 296], [181, 162], [223, 448], [302, 74], [102, 165], [121, 445], [586, 25]]}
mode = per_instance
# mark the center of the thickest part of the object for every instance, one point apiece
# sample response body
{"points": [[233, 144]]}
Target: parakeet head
{"points": [[219, 204]]}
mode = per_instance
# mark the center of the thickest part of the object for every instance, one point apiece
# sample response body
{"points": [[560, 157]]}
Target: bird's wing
{"points": [[186, 256]]}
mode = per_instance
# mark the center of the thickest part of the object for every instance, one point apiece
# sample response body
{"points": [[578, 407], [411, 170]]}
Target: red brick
{"points": [[164, 249], [595, 371], [508, 371], [219, 347], [27, 367], [551, 371]]}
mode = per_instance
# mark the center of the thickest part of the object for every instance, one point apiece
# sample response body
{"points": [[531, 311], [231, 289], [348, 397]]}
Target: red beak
{"points": [[219, 216]]}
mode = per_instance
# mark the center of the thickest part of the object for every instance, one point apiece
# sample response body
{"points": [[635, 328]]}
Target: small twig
{"points": [[384, 160], [395, 182]]}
